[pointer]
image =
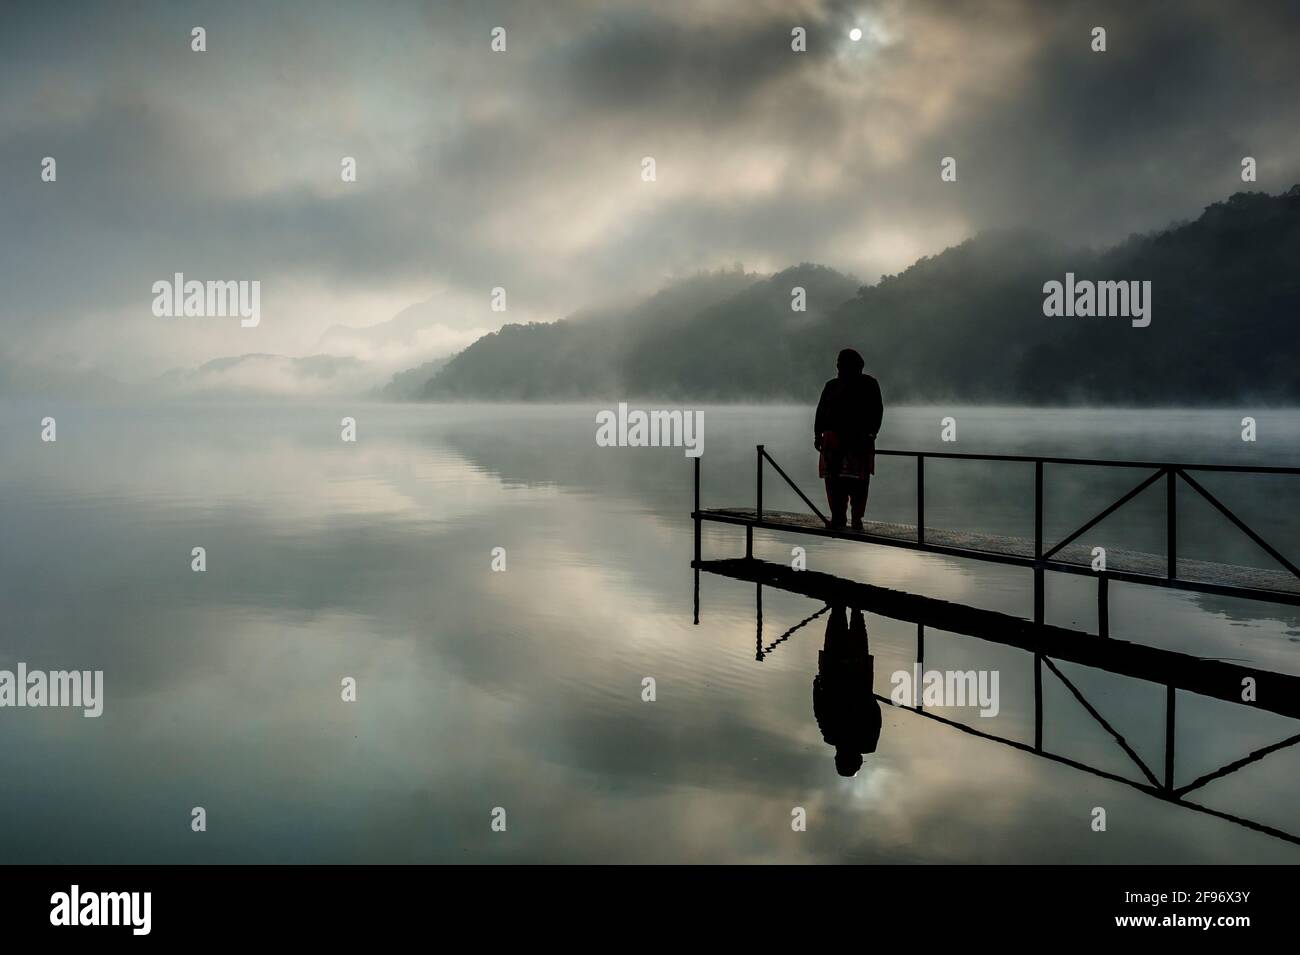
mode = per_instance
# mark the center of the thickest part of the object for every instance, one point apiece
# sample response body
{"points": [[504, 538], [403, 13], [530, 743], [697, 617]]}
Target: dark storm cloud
{"points": [[674, 70], [523, 169], [1092, 146]]}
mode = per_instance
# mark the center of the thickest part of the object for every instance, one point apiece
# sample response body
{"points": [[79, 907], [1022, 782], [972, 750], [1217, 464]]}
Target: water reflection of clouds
{"points": [[286, 481], [478, 689]]}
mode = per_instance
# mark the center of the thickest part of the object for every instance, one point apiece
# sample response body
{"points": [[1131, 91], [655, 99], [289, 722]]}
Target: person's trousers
{"points": [[840, 491]]}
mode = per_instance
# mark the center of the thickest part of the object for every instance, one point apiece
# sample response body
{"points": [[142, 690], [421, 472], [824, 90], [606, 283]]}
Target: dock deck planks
{"points": [[1077, 557]]}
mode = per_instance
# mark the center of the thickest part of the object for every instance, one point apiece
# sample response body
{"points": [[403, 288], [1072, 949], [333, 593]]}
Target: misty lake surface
{"points": [[523, 689]]}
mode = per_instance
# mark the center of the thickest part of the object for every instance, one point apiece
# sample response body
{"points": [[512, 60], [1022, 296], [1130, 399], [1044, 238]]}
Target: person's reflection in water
{"points": [[846, 711]]}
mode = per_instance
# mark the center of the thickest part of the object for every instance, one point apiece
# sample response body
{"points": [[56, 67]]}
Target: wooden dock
{"points": [[1128, 565], [1071, 555]]}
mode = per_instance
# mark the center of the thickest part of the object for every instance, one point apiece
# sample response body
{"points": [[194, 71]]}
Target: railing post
{"points": [[758, 510], [920, 498], [697, 508], [697, 540], [1171, 520], [1038, 509]]}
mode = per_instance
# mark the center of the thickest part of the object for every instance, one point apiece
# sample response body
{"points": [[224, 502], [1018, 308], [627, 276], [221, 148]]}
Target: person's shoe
{"points": [[857, 526], [837, 525]]}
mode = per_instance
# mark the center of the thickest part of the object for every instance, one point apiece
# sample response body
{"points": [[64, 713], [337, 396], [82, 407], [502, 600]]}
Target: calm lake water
{"points": [[522, 689]]}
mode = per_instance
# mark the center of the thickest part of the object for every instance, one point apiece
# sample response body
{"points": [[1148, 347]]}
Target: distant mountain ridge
{"points": [[964, 325]]}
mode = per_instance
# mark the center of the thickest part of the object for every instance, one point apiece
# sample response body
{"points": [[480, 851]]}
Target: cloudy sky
{"points": [[522, 169]]}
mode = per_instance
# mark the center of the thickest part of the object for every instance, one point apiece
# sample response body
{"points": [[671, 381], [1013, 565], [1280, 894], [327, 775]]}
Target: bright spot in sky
{"points": [[855, 34]]}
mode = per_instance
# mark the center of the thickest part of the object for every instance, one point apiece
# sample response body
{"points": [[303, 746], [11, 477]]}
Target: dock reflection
{"points": [[848, 710]]}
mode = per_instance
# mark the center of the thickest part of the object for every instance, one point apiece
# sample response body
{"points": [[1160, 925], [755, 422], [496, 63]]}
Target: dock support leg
{"points": [[697, 597], [1103, 605], [1038, 702], [1169, 738], [1038, 595], [920, 666]]}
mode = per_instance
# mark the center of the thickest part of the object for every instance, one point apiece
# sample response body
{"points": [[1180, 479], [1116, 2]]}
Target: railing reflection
{"points": [[845, 699]]}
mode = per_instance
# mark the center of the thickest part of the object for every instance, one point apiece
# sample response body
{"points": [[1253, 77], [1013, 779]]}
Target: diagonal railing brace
{"points": [[1106, 513], [764, 453], [1241, 525]]}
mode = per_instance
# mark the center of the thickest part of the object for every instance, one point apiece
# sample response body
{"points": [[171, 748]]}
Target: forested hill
{"points": [[966, 325]]}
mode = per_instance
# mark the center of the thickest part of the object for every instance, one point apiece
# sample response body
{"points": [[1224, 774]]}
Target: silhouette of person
{"points": [[844, 431], [846, 711]]}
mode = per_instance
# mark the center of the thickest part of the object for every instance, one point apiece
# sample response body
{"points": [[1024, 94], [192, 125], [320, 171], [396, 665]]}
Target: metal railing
{"points": [[1170, 471], [1046, 557]]}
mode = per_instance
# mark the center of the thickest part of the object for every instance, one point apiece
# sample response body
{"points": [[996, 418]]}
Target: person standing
{"points": [[848, 419]]}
